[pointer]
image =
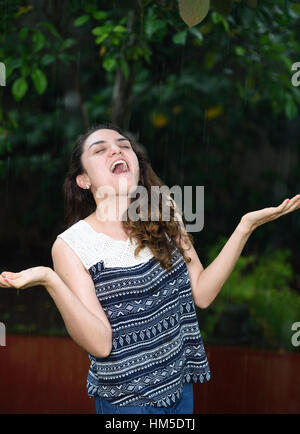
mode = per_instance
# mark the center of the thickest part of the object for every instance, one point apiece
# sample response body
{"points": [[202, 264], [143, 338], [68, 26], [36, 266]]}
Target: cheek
{"points": [[97, 172]]}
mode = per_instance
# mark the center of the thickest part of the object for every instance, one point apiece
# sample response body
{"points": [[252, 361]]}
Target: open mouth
{"points": [[119, 166]]}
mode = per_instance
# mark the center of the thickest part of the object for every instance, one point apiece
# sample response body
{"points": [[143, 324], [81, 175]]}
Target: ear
{"points": [[82, 180]]}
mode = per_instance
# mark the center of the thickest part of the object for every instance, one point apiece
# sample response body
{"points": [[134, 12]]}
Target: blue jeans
{"points": [[184, 406]]}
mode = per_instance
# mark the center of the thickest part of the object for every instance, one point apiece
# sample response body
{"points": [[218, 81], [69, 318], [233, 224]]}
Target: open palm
{"points": [[24, 279], [258, 218]]}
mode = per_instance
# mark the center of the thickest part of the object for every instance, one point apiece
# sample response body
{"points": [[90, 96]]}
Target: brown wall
{"points": [[48, 375]]}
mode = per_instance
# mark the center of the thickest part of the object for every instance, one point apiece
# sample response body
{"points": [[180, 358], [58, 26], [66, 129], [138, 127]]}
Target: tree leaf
{"points": [[23, 33], [47, 59], [68, 43], [81, 20], [39, 80], [109, 63], [239, 50], [99, 30], [101, 38], [153, 25], [198, 34], [38, 40], [100, 15], [291, 109], [180, 38], [193, 11], [19, 88], [119, 29]]}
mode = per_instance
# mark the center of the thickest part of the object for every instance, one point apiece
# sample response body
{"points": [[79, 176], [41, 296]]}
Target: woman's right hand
{"points": [[25, 279]]}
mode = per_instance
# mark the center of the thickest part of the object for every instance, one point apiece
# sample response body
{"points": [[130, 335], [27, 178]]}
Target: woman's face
{"points": [[101, 150]]}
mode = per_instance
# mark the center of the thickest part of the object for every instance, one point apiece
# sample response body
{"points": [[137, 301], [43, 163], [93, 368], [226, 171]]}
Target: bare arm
{"points": [[210, 280], [73, 291], [207, 283]]}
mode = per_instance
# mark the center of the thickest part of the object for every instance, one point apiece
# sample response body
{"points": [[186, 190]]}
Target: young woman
{"points": [[126, 287]]}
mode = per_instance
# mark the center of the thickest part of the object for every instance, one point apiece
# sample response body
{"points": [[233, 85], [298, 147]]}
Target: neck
{"points": [[109, 211]]}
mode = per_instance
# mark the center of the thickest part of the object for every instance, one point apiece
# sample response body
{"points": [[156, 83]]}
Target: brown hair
{"points": [[80, 203]]}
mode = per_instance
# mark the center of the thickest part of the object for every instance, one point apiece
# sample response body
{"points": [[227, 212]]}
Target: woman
{"points": [[126, 287]]}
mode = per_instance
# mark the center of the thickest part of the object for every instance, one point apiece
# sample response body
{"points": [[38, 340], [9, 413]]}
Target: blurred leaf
{"points": [[23, 33], [119, 29], [23, 10], [197, 33], [218, 18], [12, 64], [180, 38], [47, 59], [193, 11], [239, 51], [101, 38], [68, 43], [214, 112], [81, 20], [19, 88], [50, 27], [24, 70], [100, 15], [39, 80], [291, 109], [153, 25], [38, 40], [100, 30], [109, 64]]}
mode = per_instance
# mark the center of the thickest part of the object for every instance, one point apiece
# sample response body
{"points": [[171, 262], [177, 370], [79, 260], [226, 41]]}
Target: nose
{"points": [[114, 149]]}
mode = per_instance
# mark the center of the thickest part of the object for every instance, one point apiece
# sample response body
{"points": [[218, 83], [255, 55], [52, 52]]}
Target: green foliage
{"points": [[258, 288]]}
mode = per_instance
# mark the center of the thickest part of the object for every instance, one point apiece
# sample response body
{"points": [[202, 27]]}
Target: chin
{"points": [[126, 185]]}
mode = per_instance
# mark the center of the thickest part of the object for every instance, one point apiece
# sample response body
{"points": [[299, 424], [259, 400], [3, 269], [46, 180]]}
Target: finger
{"points": [[291, 201], [4, 283], [284, 204], [10, 275], [295, 204], [13, 283]]}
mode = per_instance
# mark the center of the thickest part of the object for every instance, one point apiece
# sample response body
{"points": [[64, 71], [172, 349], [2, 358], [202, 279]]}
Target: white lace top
{"points": [[92, 247]]}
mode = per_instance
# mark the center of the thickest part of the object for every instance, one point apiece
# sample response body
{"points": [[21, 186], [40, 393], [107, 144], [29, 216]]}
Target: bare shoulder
{"points": [[71, 270], [64, 256]]}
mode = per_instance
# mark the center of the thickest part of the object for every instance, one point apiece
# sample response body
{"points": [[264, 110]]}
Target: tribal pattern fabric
{"points": [[157, 345]]}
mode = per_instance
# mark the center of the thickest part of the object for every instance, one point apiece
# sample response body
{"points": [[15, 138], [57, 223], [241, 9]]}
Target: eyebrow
{"points": [[104, 141]]}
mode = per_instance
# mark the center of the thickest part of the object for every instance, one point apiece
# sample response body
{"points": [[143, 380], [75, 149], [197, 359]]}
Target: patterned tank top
{"points": [[157, 345]]}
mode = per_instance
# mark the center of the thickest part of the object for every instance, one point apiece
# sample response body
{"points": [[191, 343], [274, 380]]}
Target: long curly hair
{"points": [[80, 203]]}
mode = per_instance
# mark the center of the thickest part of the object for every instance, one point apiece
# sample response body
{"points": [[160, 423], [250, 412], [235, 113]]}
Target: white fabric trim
{"points": [[92, 247]]}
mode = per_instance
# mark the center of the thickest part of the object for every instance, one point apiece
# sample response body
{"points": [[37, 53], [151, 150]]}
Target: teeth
{"points": [[118, 162]]}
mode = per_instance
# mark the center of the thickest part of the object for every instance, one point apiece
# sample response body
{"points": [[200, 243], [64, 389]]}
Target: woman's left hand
{"points": [[254, 219]]}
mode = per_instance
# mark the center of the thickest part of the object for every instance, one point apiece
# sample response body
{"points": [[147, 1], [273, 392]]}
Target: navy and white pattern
{"points": [[157, 345]]}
